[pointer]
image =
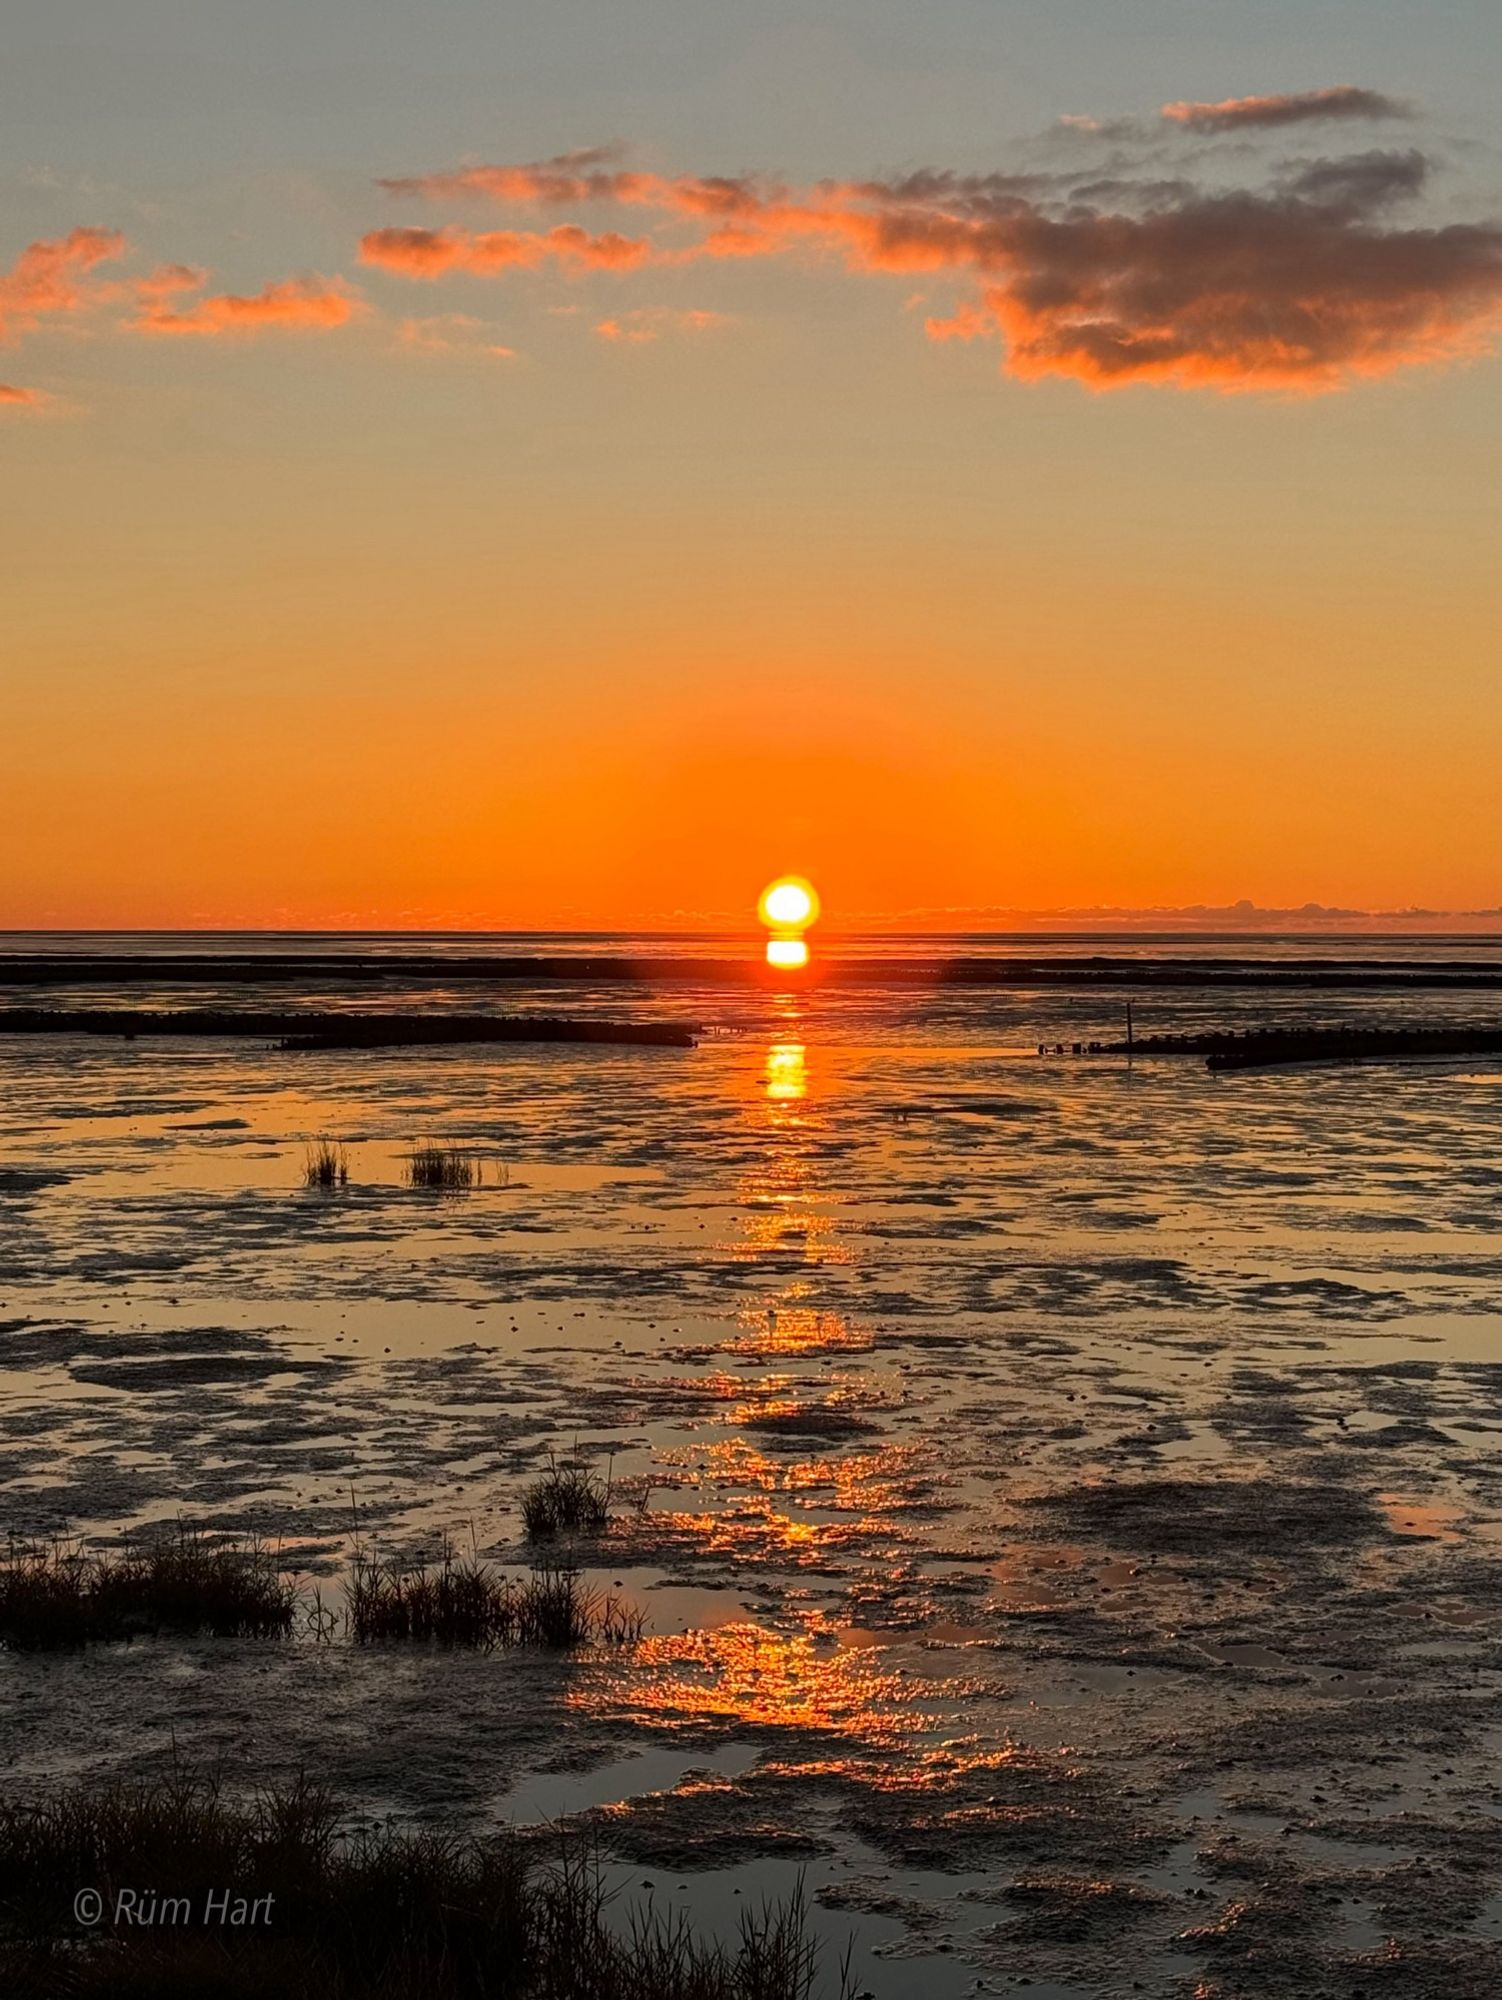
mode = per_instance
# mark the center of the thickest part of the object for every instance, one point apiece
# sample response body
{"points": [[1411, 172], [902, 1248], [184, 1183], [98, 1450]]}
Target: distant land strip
{"points": [[1262, 1048], [406, 968], [321, 1030]]}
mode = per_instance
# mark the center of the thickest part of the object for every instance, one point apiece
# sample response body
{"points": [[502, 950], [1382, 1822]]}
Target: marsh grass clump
{"points": [[450, 1169], [456, 1601], [48, 1596], [460, 1601], [228, 1589], [58, 1594], [381, 1914], [569, 1499], [325, 1164]]}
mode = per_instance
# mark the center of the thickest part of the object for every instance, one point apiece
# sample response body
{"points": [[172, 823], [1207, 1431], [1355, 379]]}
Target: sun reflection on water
{"points": [[785, 1329], [887, 1479], [787, 1072], [787, 954], [744, 1675], [757, 1535]]}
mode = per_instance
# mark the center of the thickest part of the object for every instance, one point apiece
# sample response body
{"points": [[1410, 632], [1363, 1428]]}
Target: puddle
{"points": [[554, 1795], [1424, 1519]]}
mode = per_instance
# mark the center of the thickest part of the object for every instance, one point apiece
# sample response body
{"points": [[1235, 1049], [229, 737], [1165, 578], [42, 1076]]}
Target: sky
{"points": [[563, 465]]}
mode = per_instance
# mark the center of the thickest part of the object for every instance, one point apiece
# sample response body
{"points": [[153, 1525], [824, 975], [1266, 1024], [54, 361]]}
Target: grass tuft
{"points": [[569, 1499], [451, 1169], [326, 1164], [373, 1915], [460, 1601], [59, 1594]]}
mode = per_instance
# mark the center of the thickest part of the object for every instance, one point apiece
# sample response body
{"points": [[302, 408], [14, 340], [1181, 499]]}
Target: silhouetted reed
{"points": [[325, 1165], [59, 1594], [460, 1601], [347, 1915], [569, 1499], [451, 1169]]}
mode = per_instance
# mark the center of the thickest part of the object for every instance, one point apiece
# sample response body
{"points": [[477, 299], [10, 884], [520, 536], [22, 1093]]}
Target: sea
{"points": [[1059, 1494]]}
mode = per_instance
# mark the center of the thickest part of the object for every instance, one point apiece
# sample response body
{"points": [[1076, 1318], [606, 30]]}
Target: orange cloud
{"points": [[966, 323], [1236, 114], [430, 253], [289, 304], [1304, 283], [567, 177], [13, 398], [645, 323], [47, 279], [1241, 292], [1297, 287], [581, 177], [451, 333], [166, 281]]}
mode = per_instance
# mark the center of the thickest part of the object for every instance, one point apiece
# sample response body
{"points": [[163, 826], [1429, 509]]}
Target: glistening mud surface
{"points": [[1065, 1500]]}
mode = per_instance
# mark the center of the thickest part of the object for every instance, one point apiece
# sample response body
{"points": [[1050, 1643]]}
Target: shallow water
{"points": [[1063, 1495]]}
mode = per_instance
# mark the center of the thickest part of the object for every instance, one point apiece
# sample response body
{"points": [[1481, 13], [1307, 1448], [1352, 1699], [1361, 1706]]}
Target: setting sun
{"points": [[789, 904]]}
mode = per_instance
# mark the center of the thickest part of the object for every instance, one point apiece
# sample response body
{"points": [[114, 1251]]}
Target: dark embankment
{"points": [[310, 1030], [340, 969], [1263, 1048]]}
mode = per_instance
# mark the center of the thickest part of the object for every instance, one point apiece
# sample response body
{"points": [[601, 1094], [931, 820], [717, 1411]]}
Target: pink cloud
{"points": [[644, 323], [967, 322], [166, 281], [307, 304], [49, 279], [452, 333]]}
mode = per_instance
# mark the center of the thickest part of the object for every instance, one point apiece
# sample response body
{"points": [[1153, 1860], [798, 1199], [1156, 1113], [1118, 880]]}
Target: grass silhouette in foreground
{"points": [[326, 1164], [353, 1915], [568, 1500], [56, 1594]]}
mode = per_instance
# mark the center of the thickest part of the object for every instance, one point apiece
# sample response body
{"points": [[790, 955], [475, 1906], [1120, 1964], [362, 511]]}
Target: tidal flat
{"points": [[1062, 1499]]}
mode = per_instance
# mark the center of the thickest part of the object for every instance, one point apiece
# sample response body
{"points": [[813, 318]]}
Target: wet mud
{"points": [[1065, 1505]]}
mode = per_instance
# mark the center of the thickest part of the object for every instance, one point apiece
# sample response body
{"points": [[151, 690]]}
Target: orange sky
{"points": [[435, 534]]}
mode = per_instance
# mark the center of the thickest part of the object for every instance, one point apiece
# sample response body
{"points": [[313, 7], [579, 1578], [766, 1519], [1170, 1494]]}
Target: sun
{"points": [[787, 907], [789, 904]]}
